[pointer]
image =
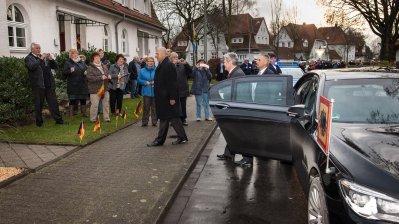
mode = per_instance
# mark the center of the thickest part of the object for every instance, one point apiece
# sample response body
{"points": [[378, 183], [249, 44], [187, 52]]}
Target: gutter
{"points": [[116, 32]]}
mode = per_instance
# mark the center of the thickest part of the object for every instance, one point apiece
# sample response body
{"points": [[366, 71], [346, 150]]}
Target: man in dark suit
{"points": [[43, 84], [221, 72], [167, 100], [246, 67], [263, 61], [273, 66], [231, 64]]}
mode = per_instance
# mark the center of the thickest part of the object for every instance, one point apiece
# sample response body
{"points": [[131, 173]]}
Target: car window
{"points": [[364, 100], [262, 92], [223, 92]]}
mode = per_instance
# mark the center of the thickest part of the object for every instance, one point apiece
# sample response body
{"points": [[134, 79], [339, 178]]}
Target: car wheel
{"points": [[317, 207]]}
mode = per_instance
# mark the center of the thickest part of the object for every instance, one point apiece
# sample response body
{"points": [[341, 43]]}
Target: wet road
{"points": [[221, 192]]}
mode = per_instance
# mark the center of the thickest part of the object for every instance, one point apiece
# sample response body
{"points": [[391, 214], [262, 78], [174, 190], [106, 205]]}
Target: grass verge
{"points": [[51, 133]]}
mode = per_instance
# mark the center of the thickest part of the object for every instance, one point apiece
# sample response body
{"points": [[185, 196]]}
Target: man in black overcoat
{"points": [[167, 100], [43, 84]]}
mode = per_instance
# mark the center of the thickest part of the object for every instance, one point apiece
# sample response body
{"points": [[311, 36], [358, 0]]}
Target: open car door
{"points": [[251, 113]]}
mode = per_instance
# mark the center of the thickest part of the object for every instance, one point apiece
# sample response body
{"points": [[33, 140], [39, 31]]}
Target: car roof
{"points": [[356, 74]]}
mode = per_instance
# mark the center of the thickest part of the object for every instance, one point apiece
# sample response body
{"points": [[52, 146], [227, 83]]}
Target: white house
{"points": [[249, 36], [129, 27], [337, 41]]}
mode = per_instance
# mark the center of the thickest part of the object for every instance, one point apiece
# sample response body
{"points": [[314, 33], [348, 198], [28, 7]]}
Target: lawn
{"points": [[50, 133]]}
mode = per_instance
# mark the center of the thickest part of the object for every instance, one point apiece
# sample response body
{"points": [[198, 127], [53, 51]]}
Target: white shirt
{"points": [[262, 71]]}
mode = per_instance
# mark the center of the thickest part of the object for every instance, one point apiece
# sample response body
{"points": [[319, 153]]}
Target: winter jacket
{"points": [[94, 78], [76, 81], [201, 79], [147, 75], [183, 72], [39, 71], [114, 71]]}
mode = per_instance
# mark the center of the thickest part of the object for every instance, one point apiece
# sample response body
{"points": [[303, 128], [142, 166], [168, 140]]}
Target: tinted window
{"points": [[222, 92], [364, 100], [262, 92]]}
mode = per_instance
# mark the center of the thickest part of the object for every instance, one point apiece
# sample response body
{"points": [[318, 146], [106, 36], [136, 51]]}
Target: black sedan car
{"points": [[265, 116]]}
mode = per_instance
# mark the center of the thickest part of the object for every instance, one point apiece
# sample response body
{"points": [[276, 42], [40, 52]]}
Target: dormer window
{"points": [[182, 43], [305, 43]]}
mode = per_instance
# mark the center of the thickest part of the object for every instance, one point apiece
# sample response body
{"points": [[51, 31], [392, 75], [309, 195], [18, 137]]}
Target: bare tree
{"points": [[281, 17], [171, 23], [381, 15]]}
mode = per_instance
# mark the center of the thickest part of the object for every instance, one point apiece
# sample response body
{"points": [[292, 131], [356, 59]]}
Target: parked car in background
{"points": [[363, 185]]}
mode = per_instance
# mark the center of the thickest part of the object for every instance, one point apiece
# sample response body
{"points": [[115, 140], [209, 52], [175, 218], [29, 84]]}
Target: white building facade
{"points": [[125, 26]]}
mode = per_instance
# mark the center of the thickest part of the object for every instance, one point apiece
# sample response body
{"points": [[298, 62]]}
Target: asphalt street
{"points": [[221, 192]]}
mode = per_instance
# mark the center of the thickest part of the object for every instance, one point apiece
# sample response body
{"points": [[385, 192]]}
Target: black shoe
{"points": [[224, 157], [243, 163], [154, 144], [154, 125], [39, 124], [185, 123], [144, 125], [179, 141]]}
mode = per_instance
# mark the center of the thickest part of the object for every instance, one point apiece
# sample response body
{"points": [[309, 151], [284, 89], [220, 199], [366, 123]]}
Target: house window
{"points": [[202, 55], [201, 42], [214, 54], [125, 3], [305, 43], [182, 43], [145, 7], [16, 27], [124, 42], [156, 42], [105, 39], [283, 44], [289, 44]]}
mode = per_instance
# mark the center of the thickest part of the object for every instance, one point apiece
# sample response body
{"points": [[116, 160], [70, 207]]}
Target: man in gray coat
{"points": [[231, 64]]}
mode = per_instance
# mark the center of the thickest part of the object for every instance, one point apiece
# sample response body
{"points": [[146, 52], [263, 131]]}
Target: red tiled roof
{"points": [[119, 9], [300, 33], [333, 35]]}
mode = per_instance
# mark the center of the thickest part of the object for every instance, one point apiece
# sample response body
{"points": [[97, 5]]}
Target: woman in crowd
{"points": [[201, 78], [97, 77], [75, 73], [146, 80], [119, 75]]}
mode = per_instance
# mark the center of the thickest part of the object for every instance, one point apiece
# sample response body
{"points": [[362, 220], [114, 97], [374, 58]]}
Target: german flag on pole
{"points": [[81, 131], [139, 109], [97, 125], [101, 91], [124, 115]]}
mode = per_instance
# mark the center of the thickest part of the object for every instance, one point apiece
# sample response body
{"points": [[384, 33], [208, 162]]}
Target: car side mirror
{"points": [[297, 111]]}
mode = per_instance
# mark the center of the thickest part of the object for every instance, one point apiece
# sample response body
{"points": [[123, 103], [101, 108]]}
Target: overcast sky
{"points": [[308, 12]]}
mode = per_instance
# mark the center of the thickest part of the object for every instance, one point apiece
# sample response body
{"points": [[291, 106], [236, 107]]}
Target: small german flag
{"points": [[124, 115], [81, 131], [97, 125], [101, 91], [139, 109]]}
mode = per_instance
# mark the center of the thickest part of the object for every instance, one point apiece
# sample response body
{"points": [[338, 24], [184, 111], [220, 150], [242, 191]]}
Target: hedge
{"points": [[15, 91], [16, 101]]}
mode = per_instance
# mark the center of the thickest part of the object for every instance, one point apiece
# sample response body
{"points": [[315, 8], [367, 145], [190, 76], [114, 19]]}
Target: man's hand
{"points": [[104, 77], [172, 102], [72, 69]]}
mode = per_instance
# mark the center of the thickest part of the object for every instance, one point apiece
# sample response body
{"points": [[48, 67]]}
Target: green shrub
{"points": [[16, 102]]}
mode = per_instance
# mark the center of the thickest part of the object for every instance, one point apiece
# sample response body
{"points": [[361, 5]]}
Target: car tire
{"points": [[317, 207]]}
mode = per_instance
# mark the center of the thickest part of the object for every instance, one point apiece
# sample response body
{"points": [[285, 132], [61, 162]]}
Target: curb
{"points": [[27, 171], [161, 215]]}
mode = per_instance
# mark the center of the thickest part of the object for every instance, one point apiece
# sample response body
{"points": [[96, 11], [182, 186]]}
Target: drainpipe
{"points": [[116, 33]]}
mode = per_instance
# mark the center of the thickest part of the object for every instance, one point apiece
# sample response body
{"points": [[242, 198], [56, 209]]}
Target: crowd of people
{"points": [[163, 87]]}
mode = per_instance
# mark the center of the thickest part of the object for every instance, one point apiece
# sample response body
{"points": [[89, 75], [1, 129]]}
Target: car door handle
{"points": [[222, 106]]}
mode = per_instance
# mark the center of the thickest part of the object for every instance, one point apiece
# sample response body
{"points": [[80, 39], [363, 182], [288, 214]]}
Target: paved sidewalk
{"points": [[115, 180], [30, 156]]}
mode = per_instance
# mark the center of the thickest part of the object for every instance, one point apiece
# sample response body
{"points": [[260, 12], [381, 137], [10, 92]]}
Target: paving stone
{"points": [[96, 182]]}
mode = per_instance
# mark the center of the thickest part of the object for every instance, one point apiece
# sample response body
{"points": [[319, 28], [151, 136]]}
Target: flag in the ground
{"points": [[139, 109], [101, 91], [124, 115], [81, 131], [116, 117], [97, 125]]}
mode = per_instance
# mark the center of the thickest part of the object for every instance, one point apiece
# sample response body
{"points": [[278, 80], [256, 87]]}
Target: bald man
{"points": [[167, 100]]}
